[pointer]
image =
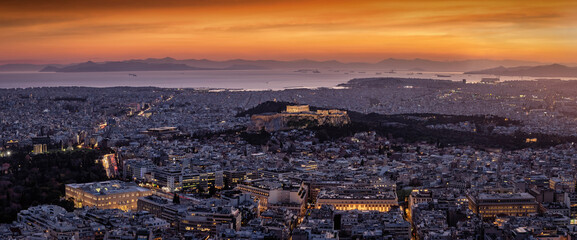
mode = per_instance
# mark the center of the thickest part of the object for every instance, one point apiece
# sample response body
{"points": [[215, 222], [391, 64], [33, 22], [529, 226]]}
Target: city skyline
{"points": [[367, 31], [302, 120]]}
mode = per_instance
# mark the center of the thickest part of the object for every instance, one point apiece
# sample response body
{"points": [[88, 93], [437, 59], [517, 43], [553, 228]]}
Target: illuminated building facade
{"points": [[274, 195], [203, 180], [110, 165], [111, 194], [40, 144], [258, 191], [418, 196], [297, 108], [174, 178], [358, 199], [40, 148], [565, 183], [573, 207], [292, 198], [297, 117], [512, 204], [168, 178], [233, 177]]}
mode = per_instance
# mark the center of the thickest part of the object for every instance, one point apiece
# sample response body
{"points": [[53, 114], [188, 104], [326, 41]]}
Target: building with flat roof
{"points": [[210, 216], [565, 183], [135, 169], [162, 131], [275, 195], [113, 194], [489, 205], [418, 196], [358, 199], [162, 208], [260, 190], [55, 221]]}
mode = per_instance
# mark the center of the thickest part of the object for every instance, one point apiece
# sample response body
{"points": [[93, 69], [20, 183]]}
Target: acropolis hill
{"points": [[298, 116]]}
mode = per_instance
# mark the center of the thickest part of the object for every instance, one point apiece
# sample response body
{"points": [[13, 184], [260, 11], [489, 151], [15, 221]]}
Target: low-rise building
{"points": [[489, 205], [206, 218], [273, 195], [419, 196], [360, 199], [106, 195]]}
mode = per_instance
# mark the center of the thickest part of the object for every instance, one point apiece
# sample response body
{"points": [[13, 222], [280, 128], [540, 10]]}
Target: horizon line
{"points": [[64, 62]]}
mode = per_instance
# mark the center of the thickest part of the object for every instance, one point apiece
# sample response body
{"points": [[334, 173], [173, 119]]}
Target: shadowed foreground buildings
{"points": [[52, 219], [53, 222], [296, 168], [209, 216]]}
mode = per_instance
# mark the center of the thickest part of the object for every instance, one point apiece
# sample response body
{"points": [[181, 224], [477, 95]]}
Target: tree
{"points": [[42, 181], [176, 199]]}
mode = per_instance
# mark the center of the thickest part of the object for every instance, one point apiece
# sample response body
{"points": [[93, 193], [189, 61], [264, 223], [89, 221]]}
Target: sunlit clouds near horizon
{"points": [[68, 31]]}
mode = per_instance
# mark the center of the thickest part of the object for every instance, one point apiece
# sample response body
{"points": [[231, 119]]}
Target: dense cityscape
{"points": [[379, 158], [289, 120]]}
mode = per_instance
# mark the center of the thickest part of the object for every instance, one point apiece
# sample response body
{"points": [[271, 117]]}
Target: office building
{"points": [[489, 205]]}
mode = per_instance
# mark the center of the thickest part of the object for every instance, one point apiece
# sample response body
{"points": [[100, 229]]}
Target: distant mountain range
{"points": [[553, 70], [171, 64], [120, 66], [25, 67], [142, 65], [385, 65]]}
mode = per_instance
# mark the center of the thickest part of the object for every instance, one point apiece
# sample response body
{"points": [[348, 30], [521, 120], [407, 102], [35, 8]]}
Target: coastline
{"points": [[230, 80]]}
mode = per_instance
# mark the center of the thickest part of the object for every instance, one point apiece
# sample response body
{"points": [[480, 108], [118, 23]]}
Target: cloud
{"points": [[318, 26], [7, 21], [91, 30], [519, 18], [107, 5]]}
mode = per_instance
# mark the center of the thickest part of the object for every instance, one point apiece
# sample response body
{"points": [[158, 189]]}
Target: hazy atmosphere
{"points": [[288, 120]]}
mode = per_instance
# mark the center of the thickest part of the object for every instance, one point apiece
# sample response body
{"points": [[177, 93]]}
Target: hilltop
{"points": [[553, 70]]}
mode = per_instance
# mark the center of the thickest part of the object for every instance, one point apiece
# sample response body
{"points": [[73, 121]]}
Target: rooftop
{"points": [[336, 194], [505, 195], [108, 187]]}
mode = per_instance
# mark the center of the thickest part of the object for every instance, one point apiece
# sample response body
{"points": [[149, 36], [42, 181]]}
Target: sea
{"points": [[257, 80]]}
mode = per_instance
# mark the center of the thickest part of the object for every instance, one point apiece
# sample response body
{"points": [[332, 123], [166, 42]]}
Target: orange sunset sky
{"points": [[101, 30]]}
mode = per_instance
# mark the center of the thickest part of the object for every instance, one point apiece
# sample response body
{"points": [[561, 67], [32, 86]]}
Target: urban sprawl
{"points": [[381, 158]]}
